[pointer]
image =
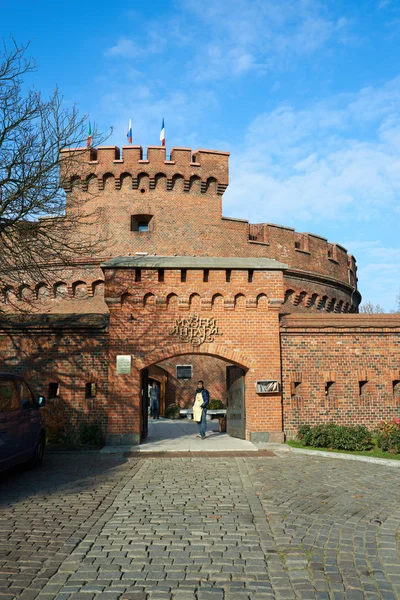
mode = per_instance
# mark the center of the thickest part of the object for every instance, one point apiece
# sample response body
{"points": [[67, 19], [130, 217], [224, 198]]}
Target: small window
{"points": [[250, 275], [297, 245], [141, 223], [331, 398], [228, 274], [8, 396], [161, 275], [183, 275], [295, 388], [206, 274], [54, 390], [332, 252], [362, 387], [138, 275], [184, 371], [329, 388], [91, 390]]}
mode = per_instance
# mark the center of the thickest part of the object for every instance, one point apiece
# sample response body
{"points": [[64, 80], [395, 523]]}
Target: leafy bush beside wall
{"points": [[337, 437]]}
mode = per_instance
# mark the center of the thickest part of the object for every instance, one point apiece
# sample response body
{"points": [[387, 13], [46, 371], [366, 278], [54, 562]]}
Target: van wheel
{"points": [[37, 458]]}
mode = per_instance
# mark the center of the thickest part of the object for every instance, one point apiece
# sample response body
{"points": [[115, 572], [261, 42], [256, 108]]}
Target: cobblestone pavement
{"points": [[203, 528]]}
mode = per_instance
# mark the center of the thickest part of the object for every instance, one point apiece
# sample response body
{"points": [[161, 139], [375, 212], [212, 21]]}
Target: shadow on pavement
{"points": [[69, 473]]}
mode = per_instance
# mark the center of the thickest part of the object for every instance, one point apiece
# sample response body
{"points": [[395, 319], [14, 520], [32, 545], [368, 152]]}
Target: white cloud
{"points": [[127, 48], [124, 48], [262, 35], [328, 161], [230, 38]]}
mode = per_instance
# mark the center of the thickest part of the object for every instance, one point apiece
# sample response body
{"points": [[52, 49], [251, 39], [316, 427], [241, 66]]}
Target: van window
{"points": [[27, 399], [8, 396]]}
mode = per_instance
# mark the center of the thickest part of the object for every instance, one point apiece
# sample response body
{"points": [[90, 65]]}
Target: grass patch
{"points": [[375, 452]]}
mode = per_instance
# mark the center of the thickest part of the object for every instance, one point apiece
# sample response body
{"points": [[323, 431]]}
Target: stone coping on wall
{"points": [[193, 262], [331, 322], [33, 322]]}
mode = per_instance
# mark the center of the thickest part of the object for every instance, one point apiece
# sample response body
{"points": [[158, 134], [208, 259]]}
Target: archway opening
{"points": [[177, 379]]}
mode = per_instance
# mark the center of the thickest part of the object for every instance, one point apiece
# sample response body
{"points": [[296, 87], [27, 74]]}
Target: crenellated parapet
{"points": [[307, 255], [202, 169]]}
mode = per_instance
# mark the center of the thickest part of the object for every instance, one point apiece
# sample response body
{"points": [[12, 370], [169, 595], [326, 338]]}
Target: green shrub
{"points": [[216, 404], [172, 411], [337, 437], [388, 436], [90, 433]]}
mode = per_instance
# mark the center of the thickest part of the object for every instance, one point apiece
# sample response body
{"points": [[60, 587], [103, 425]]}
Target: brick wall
{"points": [[341, 368], [143, 314], [344, 368], [210, 369], [64, 350]]}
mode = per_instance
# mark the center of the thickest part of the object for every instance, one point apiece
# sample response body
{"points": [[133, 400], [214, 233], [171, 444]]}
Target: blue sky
{"points": [[304, 94]]}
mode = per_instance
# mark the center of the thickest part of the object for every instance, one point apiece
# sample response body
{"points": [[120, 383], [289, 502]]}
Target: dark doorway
{"points": [[235, 414], [145, 404]]}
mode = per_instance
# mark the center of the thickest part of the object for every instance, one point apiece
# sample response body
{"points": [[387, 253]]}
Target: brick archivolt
{"points": [[197, 171], [301, 299], [218, 350], [194, 300], [58, 290], [295, 299], [145, 181]]}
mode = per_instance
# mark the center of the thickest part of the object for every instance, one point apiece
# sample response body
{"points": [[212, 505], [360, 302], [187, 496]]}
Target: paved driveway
{"points": [[181, 435], [103, 526]]}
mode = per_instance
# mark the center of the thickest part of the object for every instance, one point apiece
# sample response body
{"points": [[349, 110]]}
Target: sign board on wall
{"points": [[124, 364]]}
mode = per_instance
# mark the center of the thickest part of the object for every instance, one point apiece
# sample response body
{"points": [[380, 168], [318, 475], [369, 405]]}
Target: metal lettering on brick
{"points": [[196, 330]]}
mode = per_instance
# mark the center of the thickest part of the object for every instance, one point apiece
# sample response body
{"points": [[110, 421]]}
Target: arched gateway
{"points": [[167, 306]]}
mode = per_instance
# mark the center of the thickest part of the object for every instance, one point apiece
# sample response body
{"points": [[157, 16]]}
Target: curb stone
{"points": [[387, 462]]}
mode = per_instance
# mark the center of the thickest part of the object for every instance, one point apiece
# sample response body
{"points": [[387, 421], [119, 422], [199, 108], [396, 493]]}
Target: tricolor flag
{"points": [[162, 134], [129, 132], [89, 139]]}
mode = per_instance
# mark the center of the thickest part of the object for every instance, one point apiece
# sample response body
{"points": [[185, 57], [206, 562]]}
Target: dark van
{"points": [[22, 427]]}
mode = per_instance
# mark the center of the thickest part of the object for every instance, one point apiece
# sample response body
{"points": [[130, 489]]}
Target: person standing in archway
{"points": [[155, 401], [201, 400]]}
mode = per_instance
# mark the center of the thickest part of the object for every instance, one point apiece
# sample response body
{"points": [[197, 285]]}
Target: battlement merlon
{"points": [[83, 163]]}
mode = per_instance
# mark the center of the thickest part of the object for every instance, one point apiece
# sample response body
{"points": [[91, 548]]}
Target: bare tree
{"points": [[35, 232], [371, 309]]}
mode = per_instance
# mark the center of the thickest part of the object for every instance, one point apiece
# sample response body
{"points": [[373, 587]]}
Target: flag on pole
{"points": [[162, 134], [89, 139], [129, 132]]}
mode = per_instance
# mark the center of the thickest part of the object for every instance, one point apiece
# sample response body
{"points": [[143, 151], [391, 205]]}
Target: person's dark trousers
{"points": [[155, 410], [203, 423]]}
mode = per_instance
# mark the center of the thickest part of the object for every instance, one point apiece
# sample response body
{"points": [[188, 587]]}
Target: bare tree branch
{"points": [[368, 308], [34, 227]]}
